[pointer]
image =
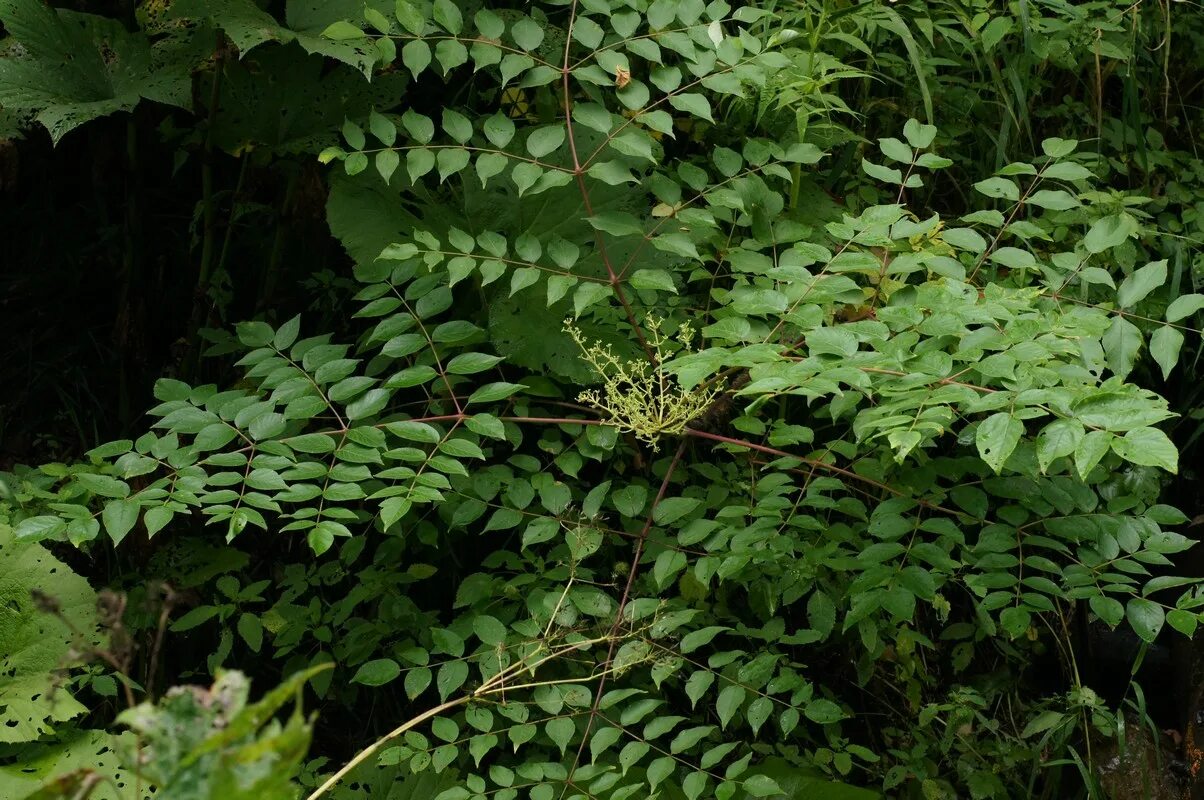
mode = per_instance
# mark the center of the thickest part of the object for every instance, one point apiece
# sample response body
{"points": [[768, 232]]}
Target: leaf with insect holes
{"points": [[34, 643], [997, 437]]}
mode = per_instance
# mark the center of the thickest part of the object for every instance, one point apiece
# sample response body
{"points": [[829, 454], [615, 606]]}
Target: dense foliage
{"points": [[705, 401]]}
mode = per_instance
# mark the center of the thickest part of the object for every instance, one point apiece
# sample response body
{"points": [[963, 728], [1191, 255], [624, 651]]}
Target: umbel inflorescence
{"points": [[638, 395]]}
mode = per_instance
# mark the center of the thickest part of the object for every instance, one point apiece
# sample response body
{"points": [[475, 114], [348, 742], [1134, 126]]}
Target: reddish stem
{"points": [[579, 174], [533, 420], [631, 575], [816, 464]]}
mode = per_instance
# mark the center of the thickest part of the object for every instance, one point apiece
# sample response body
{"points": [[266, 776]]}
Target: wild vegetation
{"points": [[600, 399]]}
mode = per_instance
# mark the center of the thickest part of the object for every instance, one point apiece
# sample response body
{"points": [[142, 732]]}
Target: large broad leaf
{"points": [[513, 319], [282, 99], [366, 216], [1122, 341], [997, 437], [245, 24], [1143, 281], [308, 19], [248, 26], [34, 644], [13, 123], [1119, 410], [53, 769], [71, 68]]}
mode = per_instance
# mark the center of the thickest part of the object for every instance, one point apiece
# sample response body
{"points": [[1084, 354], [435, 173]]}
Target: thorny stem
{"points": [[208, 211]]}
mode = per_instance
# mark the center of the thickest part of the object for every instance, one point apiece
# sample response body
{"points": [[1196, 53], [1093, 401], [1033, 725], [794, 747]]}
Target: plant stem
{"points": [[371, 749], [132, 320], [208, 212], [631, 575], [579, 174], [495, 684], [244, 161], [267, 288]]}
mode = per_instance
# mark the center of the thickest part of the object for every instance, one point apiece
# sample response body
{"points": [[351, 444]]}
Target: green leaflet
{"points": [[654, 423]]}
